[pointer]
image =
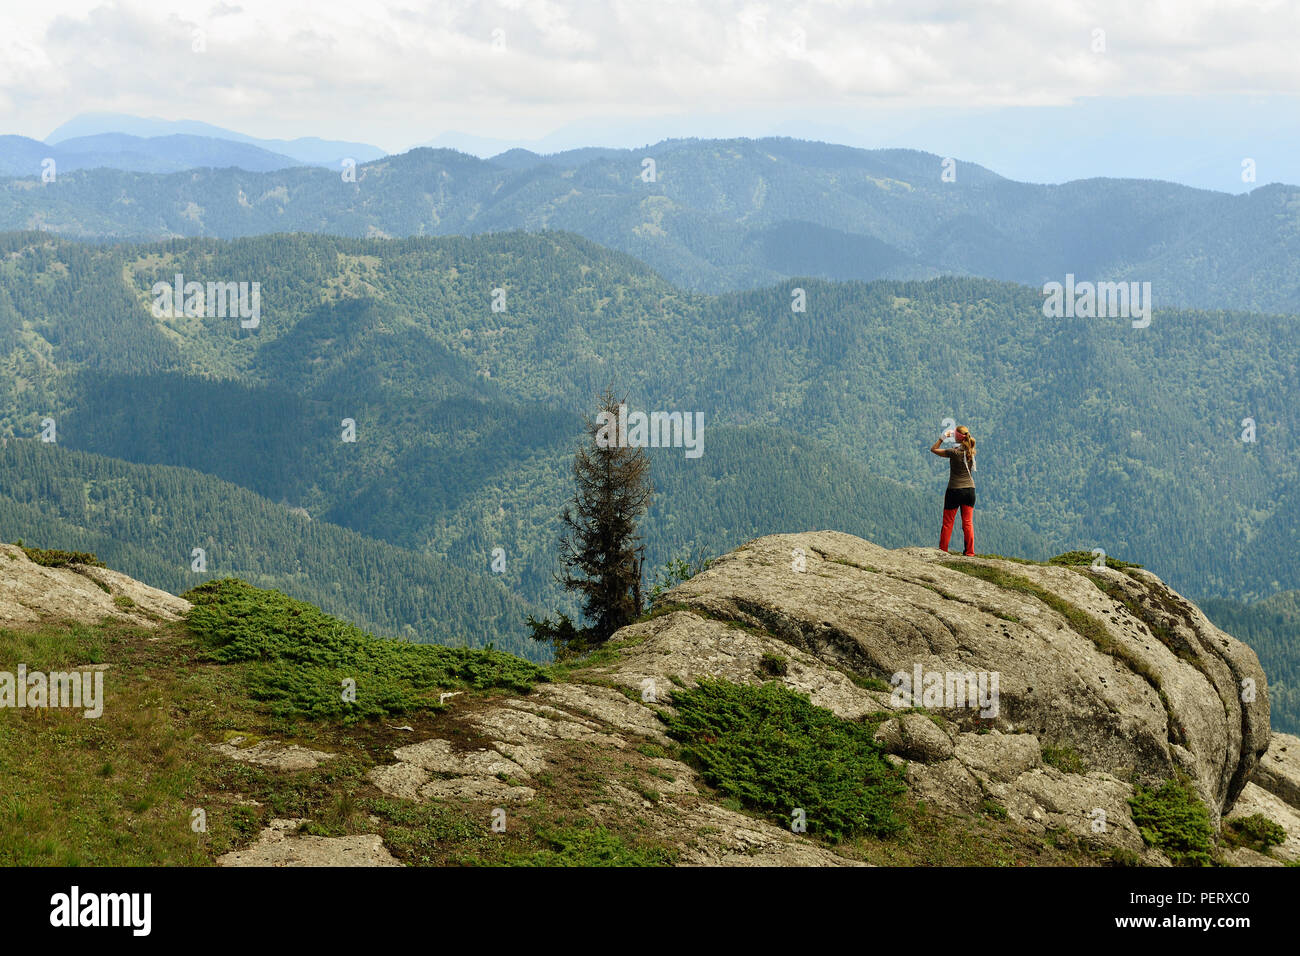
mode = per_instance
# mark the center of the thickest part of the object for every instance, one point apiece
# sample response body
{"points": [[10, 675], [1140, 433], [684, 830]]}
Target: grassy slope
{"points": [[121, 790]]}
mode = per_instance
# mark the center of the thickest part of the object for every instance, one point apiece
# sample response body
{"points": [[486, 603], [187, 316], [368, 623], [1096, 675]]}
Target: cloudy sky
{"points": [[1037, 89]]}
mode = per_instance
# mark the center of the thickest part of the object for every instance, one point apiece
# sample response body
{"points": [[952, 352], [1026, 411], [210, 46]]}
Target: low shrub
{"points": [[1173, 820], [300, 657], [1256, 832], [773, 751]]}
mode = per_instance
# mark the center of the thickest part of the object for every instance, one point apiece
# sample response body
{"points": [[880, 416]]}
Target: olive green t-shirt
{"points": [[959, 475]]}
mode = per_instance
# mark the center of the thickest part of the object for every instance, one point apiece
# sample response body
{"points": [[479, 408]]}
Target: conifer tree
{"points": [[600, 548]]}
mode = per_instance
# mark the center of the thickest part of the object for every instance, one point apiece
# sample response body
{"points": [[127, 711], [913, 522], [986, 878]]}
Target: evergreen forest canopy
{"points": [[716, 215], [1091, 433]]}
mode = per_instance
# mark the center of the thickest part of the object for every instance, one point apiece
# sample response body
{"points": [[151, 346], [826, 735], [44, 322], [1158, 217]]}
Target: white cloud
{"points": [[395, 72]]}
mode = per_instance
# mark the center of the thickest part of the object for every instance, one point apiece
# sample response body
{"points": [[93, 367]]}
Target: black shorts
{"points": [[956, 497]]}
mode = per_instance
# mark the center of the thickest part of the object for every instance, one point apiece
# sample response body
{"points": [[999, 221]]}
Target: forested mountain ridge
{"points": [[1272, 628], [1092, 433], [721, 215], [21, 156], [149, 519]]}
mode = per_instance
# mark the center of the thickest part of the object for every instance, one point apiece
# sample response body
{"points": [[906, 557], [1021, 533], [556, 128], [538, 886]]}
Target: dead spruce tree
{"points": [[600, 549]]}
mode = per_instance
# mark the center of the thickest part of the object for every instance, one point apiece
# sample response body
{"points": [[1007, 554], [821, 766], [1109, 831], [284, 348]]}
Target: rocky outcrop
{"points": [[1273, 793], [31, 593], [538, 735], [280, 844], [1040, 694], [1279, 769], [1106, 675], [270, 753], [1048, 691]]}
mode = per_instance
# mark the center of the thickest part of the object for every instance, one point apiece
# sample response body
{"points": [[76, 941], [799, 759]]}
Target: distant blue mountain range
{"points": [[138, 144]]}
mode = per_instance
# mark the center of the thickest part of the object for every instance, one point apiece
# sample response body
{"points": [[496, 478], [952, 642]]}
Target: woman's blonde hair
{"points": [[967, 441]]}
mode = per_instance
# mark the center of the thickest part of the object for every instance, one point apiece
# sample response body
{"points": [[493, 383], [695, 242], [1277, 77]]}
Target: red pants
{"points": [[967, 528]]}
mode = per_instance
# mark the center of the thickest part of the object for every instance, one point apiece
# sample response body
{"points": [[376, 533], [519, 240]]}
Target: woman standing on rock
{"points": [[961, 487]]}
